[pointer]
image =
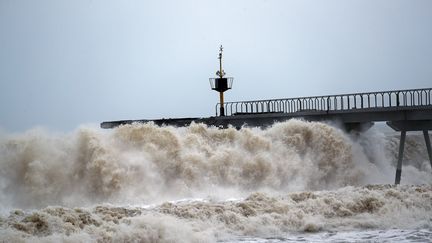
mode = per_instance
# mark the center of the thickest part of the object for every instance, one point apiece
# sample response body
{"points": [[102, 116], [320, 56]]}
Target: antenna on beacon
{"points": [[221, 84]]}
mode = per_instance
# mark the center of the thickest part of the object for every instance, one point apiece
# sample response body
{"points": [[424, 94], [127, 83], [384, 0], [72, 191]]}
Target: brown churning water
{"points": [[295, 176]]}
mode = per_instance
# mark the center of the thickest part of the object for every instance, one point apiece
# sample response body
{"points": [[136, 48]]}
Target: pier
{"points": [[409, 110], [402, 110]]}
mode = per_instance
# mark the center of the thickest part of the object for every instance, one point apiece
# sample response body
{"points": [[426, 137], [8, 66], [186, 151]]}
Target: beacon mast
{"points": [[221, 84]]}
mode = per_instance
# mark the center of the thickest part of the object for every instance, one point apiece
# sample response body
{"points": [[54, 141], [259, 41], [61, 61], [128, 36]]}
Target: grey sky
{"points": [[64, 63]]}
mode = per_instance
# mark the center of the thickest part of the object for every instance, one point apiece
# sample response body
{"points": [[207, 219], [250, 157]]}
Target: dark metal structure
{"points": [[221, 84], [342, 102]]}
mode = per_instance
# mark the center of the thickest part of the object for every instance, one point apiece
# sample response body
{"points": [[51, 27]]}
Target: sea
{"points": [[295, 181]]}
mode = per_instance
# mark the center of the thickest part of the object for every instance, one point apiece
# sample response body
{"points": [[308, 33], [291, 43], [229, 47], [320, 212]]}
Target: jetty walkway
{"points": [[402, 110]]}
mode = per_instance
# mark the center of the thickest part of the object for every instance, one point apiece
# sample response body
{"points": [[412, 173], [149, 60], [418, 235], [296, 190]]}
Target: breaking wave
{"points": [[96, 184], [259, 215]]}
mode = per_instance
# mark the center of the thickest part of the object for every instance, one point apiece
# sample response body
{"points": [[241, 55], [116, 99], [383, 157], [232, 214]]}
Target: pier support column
{"points": [[428, 145], [400, 157], [221, 101]]}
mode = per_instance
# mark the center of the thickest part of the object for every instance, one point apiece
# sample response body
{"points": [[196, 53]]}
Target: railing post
{"points": [[376, 101], [428, 97], [389, 97], [342, 103], [348, 98], [368, 101]]}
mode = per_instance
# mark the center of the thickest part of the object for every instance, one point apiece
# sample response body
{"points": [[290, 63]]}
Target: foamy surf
{"points": [[145, 183], [363, 209]]}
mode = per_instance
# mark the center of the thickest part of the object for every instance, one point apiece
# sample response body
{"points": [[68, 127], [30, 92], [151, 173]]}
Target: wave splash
{"points": [[145, 163]]}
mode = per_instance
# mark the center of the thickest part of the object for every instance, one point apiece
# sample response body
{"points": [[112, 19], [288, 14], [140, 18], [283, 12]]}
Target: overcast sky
{"points": [[65, 63]]}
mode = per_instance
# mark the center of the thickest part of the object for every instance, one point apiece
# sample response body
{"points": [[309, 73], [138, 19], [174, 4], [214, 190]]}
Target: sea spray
{"points": [[145, 163], [296, 176]]}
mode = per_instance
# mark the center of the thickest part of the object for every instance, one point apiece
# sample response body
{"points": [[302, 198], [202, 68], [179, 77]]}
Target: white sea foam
{"points": [[347, 209], [296, 176]]}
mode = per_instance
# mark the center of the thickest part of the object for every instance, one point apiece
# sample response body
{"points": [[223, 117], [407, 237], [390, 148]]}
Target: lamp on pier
{"points": [[221, 84]]}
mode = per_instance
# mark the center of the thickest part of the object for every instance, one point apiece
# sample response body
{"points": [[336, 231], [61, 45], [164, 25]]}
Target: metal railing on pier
{"points": [[382, 99]]}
